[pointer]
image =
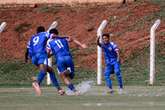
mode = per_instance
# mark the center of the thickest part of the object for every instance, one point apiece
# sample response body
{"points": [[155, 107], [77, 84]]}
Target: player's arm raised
{"points": [[98, 41]]}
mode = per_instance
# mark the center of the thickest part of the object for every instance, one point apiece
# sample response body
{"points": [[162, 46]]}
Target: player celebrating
{"points": [[36, 50], [59, 47], [112, 62]]}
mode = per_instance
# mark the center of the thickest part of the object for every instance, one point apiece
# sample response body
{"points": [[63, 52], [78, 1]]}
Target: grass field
{"points": [[133, 98]]}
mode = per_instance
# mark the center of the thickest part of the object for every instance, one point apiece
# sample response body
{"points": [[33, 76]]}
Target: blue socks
{"points": [[54, 80], [108, 82], [120, 82], [41, 76], [71, 87]]}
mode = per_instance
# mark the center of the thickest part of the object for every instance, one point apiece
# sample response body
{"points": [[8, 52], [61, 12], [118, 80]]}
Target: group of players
{"points": [[44, 44]]}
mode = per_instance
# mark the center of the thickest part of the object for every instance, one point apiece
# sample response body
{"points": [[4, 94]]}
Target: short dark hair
{"points": [[106, 34], [40, 29], [54, 31]]}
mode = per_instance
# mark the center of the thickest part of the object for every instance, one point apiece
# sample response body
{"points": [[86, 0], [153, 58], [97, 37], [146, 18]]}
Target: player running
{"points": [[112, 62], [36, 50], [59, 47]]}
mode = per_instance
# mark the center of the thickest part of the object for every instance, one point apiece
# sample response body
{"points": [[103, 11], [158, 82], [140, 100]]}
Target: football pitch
{"points": [[96, 98]]}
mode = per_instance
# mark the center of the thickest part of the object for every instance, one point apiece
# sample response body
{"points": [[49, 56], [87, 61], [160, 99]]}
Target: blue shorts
{"points": [[65, 63], [112, 68], [40, 58]]}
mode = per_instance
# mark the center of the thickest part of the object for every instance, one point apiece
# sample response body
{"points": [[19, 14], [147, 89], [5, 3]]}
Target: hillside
{"points": [[129, 24]]}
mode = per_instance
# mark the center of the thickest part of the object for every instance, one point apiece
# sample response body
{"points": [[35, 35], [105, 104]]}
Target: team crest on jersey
{"points": [[110, 49]]}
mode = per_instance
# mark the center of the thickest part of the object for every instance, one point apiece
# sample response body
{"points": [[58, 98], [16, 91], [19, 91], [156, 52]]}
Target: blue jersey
{"points": [[38, 43], [59, 47], [110, 52]]}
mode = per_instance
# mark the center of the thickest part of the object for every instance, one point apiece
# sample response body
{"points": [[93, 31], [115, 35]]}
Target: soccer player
{"points": [[112, 62], [59, 47], [36, 50]]}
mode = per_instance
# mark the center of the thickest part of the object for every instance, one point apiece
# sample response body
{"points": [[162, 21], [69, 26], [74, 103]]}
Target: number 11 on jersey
{"points": [[59, 44]]}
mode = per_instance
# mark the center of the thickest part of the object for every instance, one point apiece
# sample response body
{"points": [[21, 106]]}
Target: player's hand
{"points": [[118, 60], [84, 46], [26, 60], [70, 39]]}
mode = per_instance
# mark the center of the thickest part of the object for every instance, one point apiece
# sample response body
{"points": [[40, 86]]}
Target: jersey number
{"points": [[35, 41], [59, 44]]}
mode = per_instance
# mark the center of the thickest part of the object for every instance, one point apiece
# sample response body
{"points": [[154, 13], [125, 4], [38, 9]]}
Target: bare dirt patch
{"points": [[80, 22]]}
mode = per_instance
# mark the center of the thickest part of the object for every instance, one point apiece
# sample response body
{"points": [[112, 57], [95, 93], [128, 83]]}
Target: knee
{"points": [[118, 73], [71, 75], [43, 71]]}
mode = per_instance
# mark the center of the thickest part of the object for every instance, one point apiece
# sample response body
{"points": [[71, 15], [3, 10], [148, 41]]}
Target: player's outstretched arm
{"points": [[77, 42]]}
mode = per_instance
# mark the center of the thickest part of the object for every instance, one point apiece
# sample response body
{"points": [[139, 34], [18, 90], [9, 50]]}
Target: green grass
{"points": [[159, 2], [133, 98], [17, 73], [140, 24], [136, 69], [160, 14], [23, 27]]}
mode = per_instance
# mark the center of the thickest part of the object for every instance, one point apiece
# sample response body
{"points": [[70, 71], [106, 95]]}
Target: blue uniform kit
{"points": [[38, 54], [112, 64], [37, 48], [60, 49]]}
